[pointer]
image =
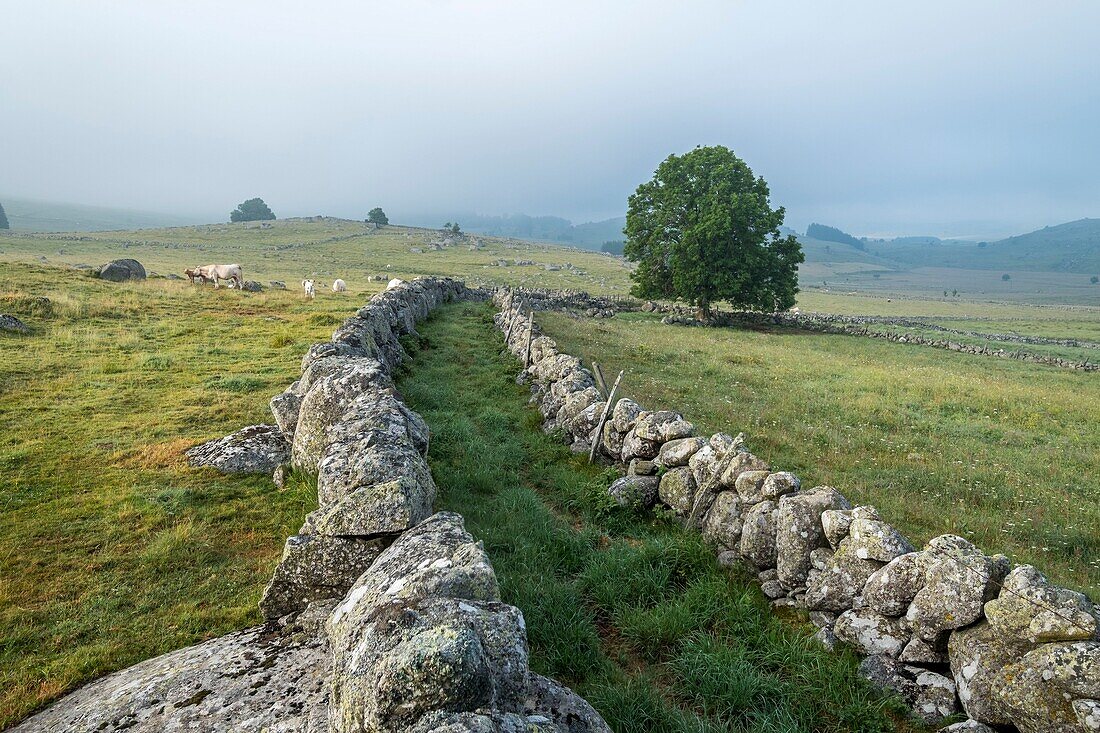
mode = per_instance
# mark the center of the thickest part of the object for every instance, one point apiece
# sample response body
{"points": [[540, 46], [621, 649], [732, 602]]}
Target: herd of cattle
{"points": [[235, 276]]}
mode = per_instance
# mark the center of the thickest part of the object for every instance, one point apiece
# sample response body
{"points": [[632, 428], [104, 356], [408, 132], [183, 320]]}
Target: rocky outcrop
{"points": [[122, 270], [945, 627], [11, 323]]}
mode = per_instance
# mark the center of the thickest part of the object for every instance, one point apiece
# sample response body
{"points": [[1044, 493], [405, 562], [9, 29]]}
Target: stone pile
{"points": [[946, 626], [381, 616]]}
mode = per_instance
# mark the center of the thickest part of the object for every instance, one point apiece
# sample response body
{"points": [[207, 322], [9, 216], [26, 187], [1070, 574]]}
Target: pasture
{"points": [[998, 451]]}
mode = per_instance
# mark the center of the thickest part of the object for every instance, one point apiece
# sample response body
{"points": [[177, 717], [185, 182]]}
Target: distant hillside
{"points": [[1070, 247], [817, 250], [29, 215], [832, 234], [590, 235]]}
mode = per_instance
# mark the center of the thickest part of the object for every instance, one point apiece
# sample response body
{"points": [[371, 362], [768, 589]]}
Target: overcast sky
{"points": [[948, 118]]}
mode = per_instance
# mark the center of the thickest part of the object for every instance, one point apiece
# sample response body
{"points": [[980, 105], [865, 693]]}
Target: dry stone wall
{"points": [[381, 616], [948, 627]]}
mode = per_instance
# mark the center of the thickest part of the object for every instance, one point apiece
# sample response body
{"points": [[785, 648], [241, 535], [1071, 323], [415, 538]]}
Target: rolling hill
{"points": [[30, 215]]}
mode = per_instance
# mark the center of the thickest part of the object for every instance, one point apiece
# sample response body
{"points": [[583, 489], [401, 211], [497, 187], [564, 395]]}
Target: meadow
{"points": [[1001, 452], [631, 610], [112, 550]]}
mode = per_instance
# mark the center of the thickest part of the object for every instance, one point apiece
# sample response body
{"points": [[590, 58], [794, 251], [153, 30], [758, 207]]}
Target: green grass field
{"points": [[1001, 452], [630, 610], [111, 549]]}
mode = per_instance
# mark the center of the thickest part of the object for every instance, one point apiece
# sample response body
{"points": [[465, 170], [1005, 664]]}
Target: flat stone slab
{"points": [[251, 680]]}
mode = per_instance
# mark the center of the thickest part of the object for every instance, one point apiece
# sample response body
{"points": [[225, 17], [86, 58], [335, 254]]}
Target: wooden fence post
{"points": [[530, 329], [598, 435]]}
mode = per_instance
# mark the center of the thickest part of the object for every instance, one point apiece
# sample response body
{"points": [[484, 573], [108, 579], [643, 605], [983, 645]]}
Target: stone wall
{"points": [[381, 616], [947, 626]]}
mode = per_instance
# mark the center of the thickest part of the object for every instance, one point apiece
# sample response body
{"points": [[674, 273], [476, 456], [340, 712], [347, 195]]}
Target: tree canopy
{"points": [[703, 230], [832, 234], [251, 210], [377, 216], [3, 219]]}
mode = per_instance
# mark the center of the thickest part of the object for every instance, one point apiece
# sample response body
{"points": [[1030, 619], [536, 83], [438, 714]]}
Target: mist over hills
{"points": [[589, 235]]}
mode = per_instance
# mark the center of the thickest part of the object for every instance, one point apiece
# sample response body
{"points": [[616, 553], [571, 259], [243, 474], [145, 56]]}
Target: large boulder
{"points": [[872, 633], [1039, 690], [638, 492], [958, 580], [122, 270], [248, 681], [255, 449], [386, 508], [564, 708], [11, 323], [372, 459], [799, 531], [677, 489], [722, 526], [327, 399], [284, 407], [977, 654], [758, 535], [1031, 607]]}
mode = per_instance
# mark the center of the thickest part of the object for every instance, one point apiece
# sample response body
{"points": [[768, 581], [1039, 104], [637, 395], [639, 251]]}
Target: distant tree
{"points": [[955, 293], [615, 248], [1094, 279], [377, 216], [945, 293], [832, 234], [251, 210], [703, 230], [455, 229], [1006, 277], [3, 219]]}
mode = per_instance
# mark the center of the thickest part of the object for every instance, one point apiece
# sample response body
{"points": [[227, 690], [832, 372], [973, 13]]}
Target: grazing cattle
{"points": [[339, 286], [194, 274], [307, 285], [232, 273]]}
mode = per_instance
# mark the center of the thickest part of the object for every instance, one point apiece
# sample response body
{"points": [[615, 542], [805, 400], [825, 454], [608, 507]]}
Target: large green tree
{"points": [[251, 210], [3, 219], [703, 231], [377, 216]]}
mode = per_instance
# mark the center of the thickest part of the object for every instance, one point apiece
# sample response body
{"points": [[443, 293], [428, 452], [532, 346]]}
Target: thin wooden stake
{"points": [[600, 383], [598, 435], [511, 322], [530, 329]]}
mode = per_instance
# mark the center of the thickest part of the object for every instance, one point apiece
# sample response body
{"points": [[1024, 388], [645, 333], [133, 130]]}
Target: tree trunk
{"points": [[702, 313]]}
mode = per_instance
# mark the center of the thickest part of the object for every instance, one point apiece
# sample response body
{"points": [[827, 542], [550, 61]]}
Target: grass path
{"points": [[631, 611]]}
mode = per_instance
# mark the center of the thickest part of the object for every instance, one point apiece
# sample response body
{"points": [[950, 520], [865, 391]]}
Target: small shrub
{"points": [[280, 340], [238, 383]]}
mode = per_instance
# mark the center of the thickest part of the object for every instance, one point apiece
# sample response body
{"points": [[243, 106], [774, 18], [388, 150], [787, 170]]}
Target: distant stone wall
{"points": [[946, 626], [381, 616]]}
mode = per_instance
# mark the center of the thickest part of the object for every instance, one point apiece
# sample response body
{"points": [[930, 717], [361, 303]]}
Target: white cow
{"points": [[307, 285], [339, 286], [233, 273], [394, 283]]}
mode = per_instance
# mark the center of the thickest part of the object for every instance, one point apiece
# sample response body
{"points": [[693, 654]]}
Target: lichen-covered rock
{"points": [[625, 414], [611, 443], [380, 412], [1088, 713], [919, 651], [703, 464], [11, 323], [122, 270], [386, 508], [758, 535], [583, 425], [639, 492], [575, 403], [640, 467], [662, 426], [255, 449], [871, 632], [375, 458], [892, 588], [836, 586], [566, 709], [976, 654], [284, 407], [1031, 607], [799, 531], [326, 401], [1039, 689], [734, 463], [250, 681], [722, 526], [749, 484], [412, 657], [778, 484], [873, 539], [967, 726], [677, 489], [314, 567], [835, 524], [935, 698], [958, 580], [635, 447], [678, 452]]}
